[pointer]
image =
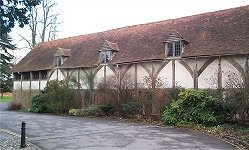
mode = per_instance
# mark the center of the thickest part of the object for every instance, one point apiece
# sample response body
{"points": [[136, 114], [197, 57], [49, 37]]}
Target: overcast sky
{"points": [[80, 17]]}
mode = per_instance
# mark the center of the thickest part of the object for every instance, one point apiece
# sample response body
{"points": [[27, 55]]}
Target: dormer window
{"points": [[105, 56], [174, 49], [60, 56], [58, 61], [107, 52], [174, 45]]}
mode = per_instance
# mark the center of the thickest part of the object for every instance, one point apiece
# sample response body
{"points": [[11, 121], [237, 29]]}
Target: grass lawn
{"points": [[6, 99]]}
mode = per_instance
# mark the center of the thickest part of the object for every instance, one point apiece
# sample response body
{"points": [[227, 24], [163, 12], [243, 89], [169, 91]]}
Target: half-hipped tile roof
{"points": [[223, 32]]}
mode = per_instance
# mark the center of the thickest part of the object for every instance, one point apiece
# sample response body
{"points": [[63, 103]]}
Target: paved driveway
{"points": [[4, 105], [57, 132]]}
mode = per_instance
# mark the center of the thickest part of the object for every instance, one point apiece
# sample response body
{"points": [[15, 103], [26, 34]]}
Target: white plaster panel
{"points": [[229, 70], [141, 73], [131, 71], [209, 77], [60, 75], [35, 85], [182, 76], [25, 85], [54, 75], [17, 85], [43, 84], [100, 76], [190, 62], [109, 72], [166, 75], [201, 62], [241, 61]]}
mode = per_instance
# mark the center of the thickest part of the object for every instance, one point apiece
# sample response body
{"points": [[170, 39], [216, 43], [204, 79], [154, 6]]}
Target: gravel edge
{"points": [[12, 142]]}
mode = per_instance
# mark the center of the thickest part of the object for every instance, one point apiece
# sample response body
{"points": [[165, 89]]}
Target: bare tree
{"points": [[43, 23]]}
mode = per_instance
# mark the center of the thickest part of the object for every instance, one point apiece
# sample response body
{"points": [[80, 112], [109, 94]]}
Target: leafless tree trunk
{"points": [[43, 22]]}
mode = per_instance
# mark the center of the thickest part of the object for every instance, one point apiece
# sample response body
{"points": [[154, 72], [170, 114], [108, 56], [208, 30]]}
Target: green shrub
{"points": [[73, 112], [57, 97], [194, 106], [38, 103], [130, 107], [91, 111], [107, 109]]}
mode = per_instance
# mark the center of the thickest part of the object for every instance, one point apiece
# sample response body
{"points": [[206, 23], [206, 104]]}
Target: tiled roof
{"points": [[113, 46], [65, 52], [223, 32]]}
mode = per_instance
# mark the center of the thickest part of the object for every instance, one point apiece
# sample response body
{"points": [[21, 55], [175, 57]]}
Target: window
{"points": [[44, 74], [35, 75], [26, 75], [17, 76], [105, 56], [174, 49], [58, 61], [170, 49]]}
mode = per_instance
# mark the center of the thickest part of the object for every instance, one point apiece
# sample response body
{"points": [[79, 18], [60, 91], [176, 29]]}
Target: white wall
{"points": [[25, 85], [209, 77], [43, 84], [35, 85], [166, 75], [182, 76], [100, 75], [229, 70], [54, 75], [17, 85], [140, 74]]}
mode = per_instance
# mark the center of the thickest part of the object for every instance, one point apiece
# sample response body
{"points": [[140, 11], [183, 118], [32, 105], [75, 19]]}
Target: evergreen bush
{"points": [[130, 107], [38, 103], [194, 106], [57, 97], [107, 109]]}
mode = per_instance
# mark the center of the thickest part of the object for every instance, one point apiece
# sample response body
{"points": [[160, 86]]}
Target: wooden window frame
{"points": [[43, 75], [174, 50], [104, 57], [35, 75], [17, 76]]}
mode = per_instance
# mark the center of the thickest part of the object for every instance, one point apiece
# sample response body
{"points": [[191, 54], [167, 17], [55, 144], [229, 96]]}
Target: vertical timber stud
{"points": [[105, 82], [78, 78], [39, 80], [30, 80], [105, 75], [23, 135], [195, 74], [135, 77], [246, 80], [173, 74], [219, 74], [68, 74], [57, 73]]}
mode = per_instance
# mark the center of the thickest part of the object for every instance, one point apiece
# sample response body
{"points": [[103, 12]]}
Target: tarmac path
{"points": [[59, 132]]}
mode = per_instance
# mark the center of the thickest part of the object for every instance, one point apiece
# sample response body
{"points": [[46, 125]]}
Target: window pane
{"points": [[170, 49], [59, 62], [35, 75], [44, 74], [102, 57], [108, 56], [17, 76], [26, 76], [177, 48]]}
